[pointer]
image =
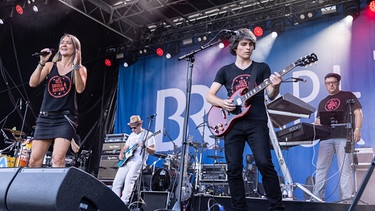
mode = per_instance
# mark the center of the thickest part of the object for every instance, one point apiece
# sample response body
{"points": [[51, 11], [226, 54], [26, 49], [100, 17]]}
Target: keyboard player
{"points": [[342, 112]]}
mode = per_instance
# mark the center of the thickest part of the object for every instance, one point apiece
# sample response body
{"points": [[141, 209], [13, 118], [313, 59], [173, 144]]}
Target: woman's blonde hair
{"points": [[76, 45]]}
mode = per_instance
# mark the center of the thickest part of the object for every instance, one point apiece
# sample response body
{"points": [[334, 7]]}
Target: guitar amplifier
{"points": [[112, 148], [108, 167], [121, 137], [214, 172]]}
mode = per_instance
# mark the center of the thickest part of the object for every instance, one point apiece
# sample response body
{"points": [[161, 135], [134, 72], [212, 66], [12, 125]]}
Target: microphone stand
{"points": [[143, 148], [190, 58]]}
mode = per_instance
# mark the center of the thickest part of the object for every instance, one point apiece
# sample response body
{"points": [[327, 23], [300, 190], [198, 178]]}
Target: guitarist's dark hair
{"points": [[243, 34]]}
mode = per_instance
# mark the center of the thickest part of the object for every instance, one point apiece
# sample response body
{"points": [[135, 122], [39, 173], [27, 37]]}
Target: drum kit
{"points": [[17, 153], [166, 178]]}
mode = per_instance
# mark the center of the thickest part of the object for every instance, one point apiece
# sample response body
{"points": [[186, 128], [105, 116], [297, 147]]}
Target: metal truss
{"points": [[154, 22]]}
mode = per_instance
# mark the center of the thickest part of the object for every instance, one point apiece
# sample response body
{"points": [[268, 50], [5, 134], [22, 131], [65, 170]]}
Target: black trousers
{"points": [[256, 134]]}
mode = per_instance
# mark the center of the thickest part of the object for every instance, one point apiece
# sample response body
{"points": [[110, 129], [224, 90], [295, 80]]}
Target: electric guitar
{"points": [[220, 121], [130, 151]]}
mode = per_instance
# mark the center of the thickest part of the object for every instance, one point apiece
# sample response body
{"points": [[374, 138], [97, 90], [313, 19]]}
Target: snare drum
{"points": [[25, 153], [6, 161]]}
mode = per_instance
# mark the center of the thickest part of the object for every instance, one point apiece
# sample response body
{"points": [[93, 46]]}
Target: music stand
{"points": [[332, 118]]}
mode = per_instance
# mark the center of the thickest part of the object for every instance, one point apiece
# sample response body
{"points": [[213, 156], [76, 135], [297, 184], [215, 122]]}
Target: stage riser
{"points": [[368, 195]]}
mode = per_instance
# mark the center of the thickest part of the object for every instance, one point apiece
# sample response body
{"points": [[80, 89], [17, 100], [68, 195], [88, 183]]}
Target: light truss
{"points": [[129, 19]]}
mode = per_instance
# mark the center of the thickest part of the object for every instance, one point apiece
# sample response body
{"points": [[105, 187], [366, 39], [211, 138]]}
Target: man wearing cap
{"points": [[340, 140], [129, 172]]}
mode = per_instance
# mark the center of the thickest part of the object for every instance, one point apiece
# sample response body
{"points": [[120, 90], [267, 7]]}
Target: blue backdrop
{"points": [[157, 85]]}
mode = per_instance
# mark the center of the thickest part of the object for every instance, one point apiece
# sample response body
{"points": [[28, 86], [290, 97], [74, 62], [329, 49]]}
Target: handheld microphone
{"points": [[43, 53], [299, 79], [231, 32], [152, 116]]}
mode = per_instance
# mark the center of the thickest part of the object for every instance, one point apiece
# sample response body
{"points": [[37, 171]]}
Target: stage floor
{"points": [[203, 202]]}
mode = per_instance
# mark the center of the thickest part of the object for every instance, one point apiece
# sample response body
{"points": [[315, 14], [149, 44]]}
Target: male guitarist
{"points": [[252, 127], [134, 152]]}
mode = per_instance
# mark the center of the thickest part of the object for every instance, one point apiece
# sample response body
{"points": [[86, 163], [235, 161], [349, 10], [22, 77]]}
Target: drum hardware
{"points": [[215, 156]]}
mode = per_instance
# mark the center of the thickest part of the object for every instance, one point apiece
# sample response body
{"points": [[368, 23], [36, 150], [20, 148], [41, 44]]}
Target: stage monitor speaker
{"points": [[155, 200], [369, 191], [6, 177], [60, 189]]}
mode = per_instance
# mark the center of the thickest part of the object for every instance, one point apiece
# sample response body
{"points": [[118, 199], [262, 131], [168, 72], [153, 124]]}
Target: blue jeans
{"points": [[256, 134], [327, 149]]}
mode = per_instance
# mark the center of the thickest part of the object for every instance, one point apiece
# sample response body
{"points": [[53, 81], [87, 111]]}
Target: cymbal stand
{"points": [[20, 146]]}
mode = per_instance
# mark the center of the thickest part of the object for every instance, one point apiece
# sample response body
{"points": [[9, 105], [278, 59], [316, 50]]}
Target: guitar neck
{"points": [[266, 83]]}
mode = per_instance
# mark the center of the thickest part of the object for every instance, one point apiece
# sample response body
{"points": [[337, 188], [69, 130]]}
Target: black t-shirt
{"points": [[234, 78], [340, 102]]}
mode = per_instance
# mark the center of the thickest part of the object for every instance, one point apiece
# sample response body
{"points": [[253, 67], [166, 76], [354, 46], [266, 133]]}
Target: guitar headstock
{"points": [[308, 59]]}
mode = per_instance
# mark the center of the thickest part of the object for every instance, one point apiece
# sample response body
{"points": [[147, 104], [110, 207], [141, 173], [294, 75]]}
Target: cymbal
{"points": [[160, 155], [215, 156], [15, 132], [197, 144]]}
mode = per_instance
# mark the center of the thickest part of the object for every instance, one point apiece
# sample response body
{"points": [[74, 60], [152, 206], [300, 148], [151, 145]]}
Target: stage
{"points": [[202, 201]]}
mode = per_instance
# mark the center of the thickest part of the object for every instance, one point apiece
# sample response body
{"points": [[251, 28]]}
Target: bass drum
{"points": [[161, 180]]}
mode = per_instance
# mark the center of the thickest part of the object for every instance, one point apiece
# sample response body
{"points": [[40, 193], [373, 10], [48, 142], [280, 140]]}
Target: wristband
{"points": [[357, 128], [76, 67]]}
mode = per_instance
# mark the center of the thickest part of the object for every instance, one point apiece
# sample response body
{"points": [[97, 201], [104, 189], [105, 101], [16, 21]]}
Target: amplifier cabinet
{"points": [[112, 148], [121, 137], [108, 167], [214, 173]]}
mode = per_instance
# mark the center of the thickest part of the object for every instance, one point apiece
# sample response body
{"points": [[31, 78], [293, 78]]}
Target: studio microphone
{"points": [[231, 32], [43, 53], [299, 79], [152, 116]]}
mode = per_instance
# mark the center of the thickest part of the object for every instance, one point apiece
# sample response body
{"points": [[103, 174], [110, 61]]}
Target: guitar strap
{"points": [[253, 73]]}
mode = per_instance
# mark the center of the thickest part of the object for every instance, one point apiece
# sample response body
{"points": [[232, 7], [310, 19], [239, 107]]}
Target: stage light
{"points": [[19, 9], [371, 6], [172, 50], [258, 31], [35, 8], [221, 45], [107, 62], [1, 21], [159, 52], [130, 59]]}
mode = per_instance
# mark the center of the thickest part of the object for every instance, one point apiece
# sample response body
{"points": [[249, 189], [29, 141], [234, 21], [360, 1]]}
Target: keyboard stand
{"points": [[289, 184]]}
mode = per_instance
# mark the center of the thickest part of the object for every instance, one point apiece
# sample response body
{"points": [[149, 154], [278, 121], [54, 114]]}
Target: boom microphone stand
{"points": [[190, 58]]}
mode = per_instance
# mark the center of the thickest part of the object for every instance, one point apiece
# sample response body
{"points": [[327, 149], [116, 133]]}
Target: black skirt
{"points": [[51, 127]]}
